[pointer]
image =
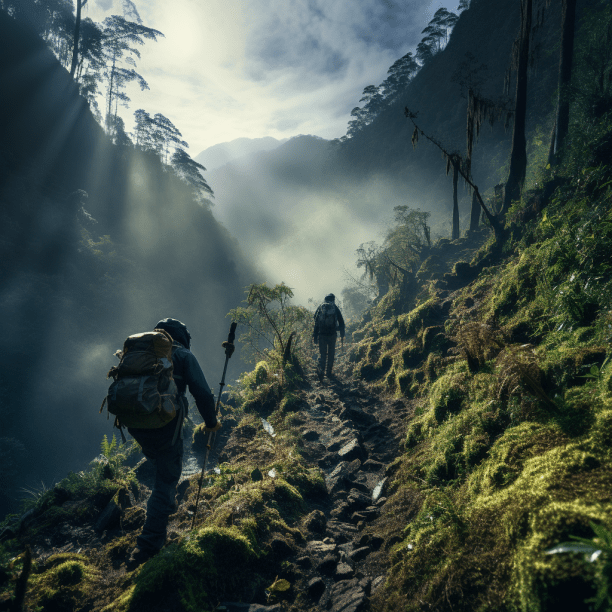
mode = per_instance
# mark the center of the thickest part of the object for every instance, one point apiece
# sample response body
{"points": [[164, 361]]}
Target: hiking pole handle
{"points": [[228, 353], [211, 436]]}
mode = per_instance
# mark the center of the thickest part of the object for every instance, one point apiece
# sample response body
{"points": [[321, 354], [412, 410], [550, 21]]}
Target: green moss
{"points": [[215, 562], [65, 586]]}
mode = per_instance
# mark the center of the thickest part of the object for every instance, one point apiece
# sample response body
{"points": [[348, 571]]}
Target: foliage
{"points": [[598, 551], [270, 320]]}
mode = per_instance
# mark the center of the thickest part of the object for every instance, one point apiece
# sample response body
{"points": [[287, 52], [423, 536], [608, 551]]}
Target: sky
{"points": [[252, 68]]}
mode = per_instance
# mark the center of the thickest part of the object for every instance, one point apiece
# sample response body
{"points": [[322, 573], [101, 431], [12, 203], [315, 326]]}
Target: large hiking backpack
{"points": [[143, 393], [327, 319]]}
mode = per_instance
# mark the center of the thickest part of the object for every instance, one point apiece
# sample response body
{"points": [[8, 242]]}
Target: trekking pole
{"points": [[229, 349]]}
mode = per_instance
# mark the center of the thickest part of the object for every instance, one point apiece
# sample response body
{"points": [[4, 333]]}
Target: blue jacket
{"points": [[188, 374]]}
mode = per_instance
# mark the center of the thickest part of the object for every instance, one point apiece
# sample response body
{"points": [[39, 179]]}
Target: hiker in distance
{"points": [[163, 446], [328, 319]]}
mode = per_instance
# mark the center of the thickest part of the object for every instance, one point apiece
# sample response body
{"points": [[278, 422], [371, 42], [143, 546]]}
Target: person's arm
{"points": [[198, 387], [340, 322]]}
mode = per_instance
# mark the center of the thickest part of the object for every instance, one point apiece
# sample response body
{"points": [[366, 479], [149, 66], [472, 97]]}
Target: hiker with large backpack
{"points": [[148, 397], [328, 321]]}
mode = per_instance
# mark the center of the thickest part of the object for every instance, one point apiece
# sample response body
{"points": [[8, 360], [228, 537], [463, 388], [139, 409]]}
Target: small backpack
{"points": [[327, 319], [143, 393]]}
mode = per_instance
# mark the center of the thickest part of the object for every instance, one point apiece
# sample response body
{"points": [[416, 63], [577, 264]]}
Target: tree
{"points": [[463, 170], [77, 26], [463, 5], [407, 244], [120, 37], [568, 24], [190, 171], [425, 50], [518, 153], [166, 135], [270, 320]]}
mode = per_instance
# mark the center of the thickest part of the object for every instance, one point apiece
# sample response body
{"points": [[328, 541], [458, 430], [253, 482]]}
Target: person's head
{"points": [[177, 330], [330, 297]]}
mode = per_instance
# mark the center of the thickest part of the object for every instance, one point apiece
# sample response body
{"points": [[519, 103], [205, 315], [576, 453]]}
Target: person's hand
{"points": [[229, 348], [217, 427]]}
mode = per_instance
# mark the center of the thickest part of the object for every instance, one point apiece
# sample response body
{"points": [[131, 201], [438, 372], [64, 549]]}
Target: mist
{"points": [[97, 242]]}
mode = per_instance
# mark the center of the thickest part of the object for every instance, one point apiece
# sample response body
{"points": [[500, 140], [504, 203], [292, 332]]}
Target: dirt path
{"points": [[352, 436]]}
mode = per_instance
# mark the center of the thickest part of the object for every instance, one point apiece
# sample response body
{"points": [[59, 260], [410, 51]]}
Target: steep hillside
{"points": [[220, 154], [97, 241]]}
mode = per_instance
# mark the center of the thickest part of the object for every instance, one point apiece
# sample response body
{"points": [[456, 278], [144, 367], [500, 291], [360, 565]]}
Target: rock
{"points": [[133, 518], [347, 596], [372, 466], [379, 489], [256, 475], [328, 565], [366, 584], [363, 540], [311, 435], [341, 511], [354, 466], [280, 547], [319, 548], [315, 522], [357, 500], [376, 542], [109, 518], [245, 607], [343, 572], [342, 532], [304, 562], [360, 486], [355, 413], [336, 481], [367, 515], [377, 583], [336, 445], [359, 554], [352, 450], [315, 588]]}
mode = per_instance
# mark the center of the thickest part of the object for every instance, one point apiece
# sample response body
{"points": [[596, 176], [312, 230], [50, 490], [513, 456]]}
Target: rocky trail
{"points": [[353, 437], [340, 559]]}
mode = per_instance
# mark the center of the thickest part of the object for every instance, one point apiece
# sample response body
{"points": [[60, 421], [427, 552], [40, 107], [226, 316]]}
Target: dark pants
{"points": [[327, 349], [168, 461]]}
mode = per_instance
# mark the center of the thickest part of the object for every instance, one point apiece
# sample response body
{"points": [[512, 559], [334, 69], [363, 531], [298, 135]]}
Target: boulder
{"points": [[336, 481], [343, 572], [315, 522], [347, 596], [315, 588], [351, 451], [359, 554]]}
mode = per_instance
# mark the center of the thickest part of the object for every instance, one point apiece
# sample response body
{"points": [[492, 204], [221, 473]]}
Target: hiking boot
{"points": [[320, 374], [138, 557]]}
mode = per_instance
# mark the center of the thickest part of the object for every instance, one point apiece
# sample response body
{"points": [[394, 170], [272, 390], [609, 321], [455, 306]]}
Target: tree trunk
{"points": [[474, 213], [77, 27], [568, 16], [518, 155], [455, 234]]}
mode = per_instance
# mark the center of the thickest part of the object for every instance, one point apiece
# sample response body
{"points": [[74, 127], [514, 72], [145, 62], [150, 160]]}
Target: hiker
{"points": [[164, 448], [328, 319]]}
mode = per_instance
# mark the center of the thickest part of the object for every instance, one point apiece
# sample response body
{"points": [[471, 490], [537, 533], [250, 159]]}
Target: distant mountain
{"points": [[220, 154]]}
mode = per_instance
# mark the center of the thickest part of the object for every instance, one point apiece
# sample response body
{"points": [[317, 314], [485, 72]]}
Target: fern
{"points": [[108, 448]]}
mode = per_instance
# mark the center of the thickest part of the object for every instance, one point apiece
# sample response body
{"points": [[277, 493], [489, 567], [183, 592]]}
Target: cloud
{"points": [[230, 68]]}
